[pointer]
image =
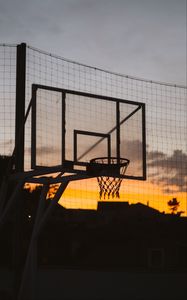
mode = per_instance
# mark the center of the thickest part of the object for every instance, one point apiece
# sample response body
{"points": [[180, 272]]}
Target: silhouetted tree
{"points": [[4, 163], [52, 190], [173, 205]]}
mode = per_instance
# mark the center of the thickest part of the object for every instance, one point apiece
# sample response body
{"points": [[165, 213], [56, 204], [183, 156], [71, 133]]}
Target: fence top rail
{"points": [[105, 70], [97, 68], [8, 45]]}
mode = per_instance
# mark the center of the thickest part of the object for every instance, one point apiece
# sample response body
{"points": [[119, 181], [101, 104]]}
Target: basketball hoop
{"points": [[114, 168]]}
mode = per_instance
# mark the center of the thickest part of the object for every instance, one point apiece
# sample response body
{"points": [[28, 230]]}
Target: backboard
{"points": [[70, 128]]}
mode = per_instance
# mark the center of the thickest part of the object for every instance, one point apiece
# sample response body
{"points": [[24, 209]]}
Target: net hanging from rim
{"points": [[114, 167]]}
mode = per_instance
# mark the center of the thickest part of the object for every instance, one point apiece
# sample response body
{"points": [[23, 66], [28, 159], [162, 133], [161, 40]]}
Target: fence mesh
{"points": [[7, 98], [166, 124]]}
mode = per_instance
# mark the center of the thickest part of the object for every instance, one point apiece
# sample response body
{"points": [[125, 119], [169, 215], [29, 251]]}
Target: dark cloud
{"points": [[7, 147], [171, 171], [152, 155], [172, 162], [43, 150], [132, 150], [5, 143], [168, 171]]}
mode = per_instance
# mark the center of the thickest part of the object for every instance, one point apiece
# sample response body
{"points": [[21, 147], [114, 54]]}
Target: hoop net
{"points": [[110, 185]]}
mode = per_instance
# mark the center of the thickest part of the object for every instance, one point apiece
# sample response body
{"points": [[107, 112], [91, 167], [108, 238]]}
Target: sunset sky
{"points": [[85, 194]]}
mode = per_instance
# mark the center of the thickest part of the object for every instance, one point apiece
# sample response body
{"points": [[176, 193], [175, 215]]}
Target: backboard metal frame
{"points": [[73, 166]]}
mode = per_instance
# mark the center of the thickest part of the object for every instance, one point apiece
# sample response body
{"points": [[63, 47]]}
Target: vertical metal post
{"points": [[20, 107], [33, 128], [144, 141], [109, 148], [63, 126], [118, 131], [19, 156]]}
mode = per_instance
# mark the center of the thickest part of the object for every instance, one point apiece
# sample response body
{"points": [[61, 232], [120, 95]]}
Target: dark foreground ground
{"points": [[83, 285]]}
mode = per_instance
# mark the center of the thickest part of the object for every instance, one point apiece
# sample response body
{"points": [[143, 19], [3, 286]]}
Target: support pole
{"points": [[27, 284], [11, 203], [27, 287]]}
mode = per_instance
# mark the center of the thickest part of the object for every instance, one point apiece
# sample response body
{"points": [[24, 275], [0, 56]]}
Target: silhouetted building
{"points": [[116, 236], [133, 243]]}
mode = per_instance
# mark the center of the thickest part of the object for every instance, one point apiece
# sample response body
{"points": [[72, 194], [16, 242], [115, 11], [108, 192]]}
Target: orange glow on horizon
{"points": [[84, 194]]}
